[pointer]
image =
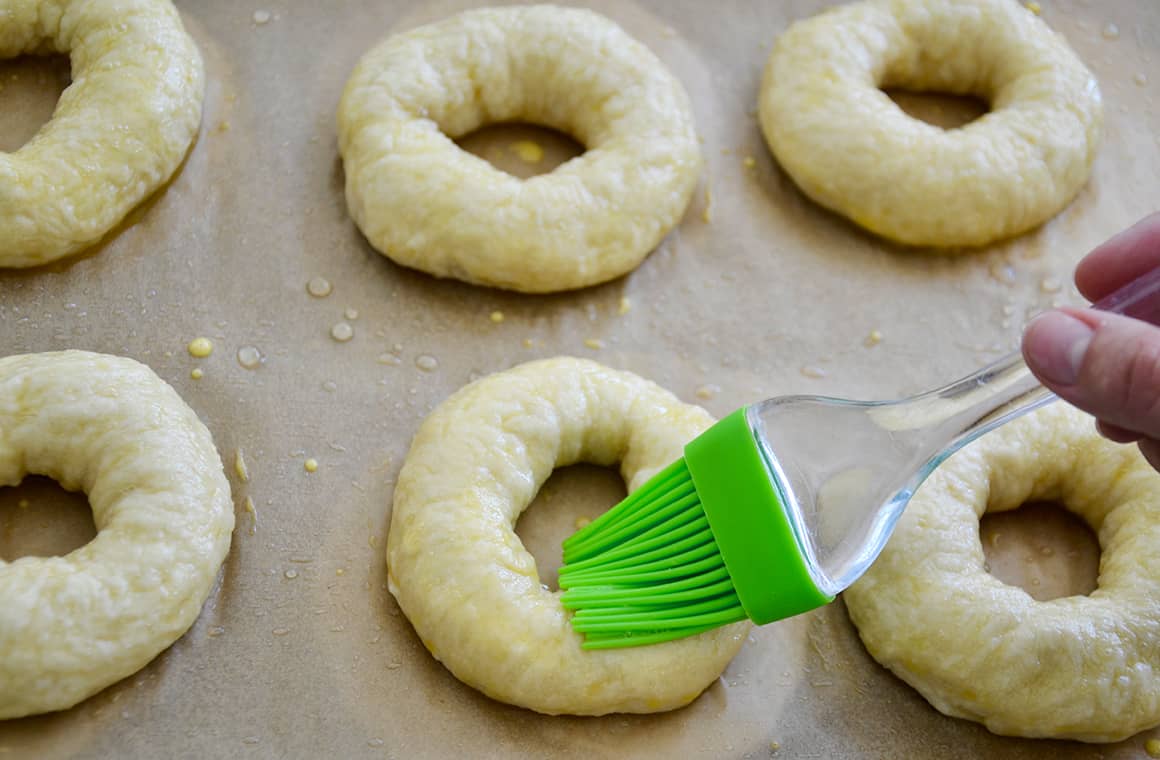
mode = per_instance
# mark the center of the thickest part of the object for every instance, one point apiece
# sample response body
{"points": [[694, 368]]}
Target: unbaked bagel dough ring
{"points": [[427, 204], [849, 147], [119, 131], [466, 582], [106, 425], [1078, 667]]}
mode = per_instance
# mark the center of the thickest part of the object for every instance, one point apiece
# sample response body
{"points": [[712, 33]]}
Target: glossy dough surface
{"points": [[1080, 667], [119, 131], [427, 204], [72, 625], [848, 146], [467, 583]]}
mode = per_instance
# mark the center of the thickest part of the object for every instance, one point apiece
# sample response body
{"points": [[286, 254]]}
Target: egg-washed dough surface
{"points": [[851, 149], [105, 425], [118, 133], [426, 204], [467, 584], [290, 657], [1079, 667]]}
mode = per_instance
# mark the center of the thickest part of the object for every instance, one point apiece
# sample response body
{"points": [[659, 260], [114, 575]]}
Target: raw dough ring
{"points": [[468, 585], [853, 150], [119, 131], [1080, 667], [72, 625], [427, 204]]}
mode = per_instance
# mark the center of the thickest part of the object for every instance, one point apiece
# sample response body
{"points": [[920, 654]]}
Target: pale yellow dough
{"points": [[467, 583], [1080, 667], [119, 131], [848, 146], [427, 204], [72, 625]]}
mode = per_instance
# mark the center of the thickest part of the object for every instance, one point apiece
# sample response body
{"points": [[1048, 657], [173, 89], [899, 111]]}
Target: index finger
{"points": [[1121, 259]]}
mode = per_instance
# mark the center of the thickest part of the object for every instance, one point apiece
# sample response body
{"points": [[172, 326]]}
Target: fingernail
{"points": [[1055, 343]]}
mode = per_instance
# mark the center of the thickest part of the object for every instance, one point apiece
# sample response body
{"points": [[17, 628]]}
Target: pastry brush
{"points": [[780, 506]]}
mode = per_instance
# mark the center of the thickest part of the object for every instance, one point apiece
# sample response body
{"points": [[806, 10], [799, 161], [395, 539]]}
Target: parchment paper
{"points": [[301, 652]]}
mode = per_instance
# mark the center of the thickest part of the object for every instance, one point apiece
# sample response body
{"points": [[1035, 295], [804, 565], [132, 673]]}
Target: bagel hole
{"points": [[939, 109], [569, 498], [30, 87], [38, 518], [522, 150], [1042, 548]]}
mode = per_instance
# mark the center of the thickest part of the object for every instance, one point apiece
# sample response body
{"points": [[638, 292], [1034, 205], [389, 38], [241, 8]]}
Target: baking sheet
{"points": [[301, 652]]}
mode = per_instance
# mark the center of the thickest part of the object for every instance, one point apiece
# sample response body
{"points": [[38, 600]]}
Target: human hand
{"points": [[1106, 364]]}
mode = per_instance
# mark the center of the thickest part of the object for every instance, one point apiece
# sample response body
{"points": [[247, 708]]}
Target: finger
{"points": [[1150, 448], [1105, 364], [1116, 434], [1120, 260]]}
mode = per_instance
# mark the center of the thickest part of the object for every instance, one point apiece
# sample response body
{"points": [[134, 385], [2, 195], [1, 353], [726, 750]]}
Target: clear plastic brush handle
{"points": [[1005, 389], [841, 463]]}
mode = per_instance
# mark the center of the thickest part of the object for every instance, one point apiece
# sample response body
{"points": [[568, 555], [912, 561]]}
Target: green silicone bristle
{"points": [[703, 544], [648, 570]]}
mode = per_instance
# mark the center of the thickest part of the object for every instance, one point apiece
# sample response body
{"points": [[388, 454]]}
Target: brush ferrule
{"points": [[749, 523]]}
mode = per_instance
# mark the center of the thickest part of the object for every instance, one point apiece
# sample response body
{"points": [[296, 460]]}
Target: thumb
{"points": [[1106, 364]]}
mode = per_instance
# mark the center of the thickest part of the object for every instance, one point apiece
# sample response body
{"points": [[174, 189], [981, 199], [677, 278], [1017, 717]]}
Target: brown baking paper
{"points": [[300, 651]]}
